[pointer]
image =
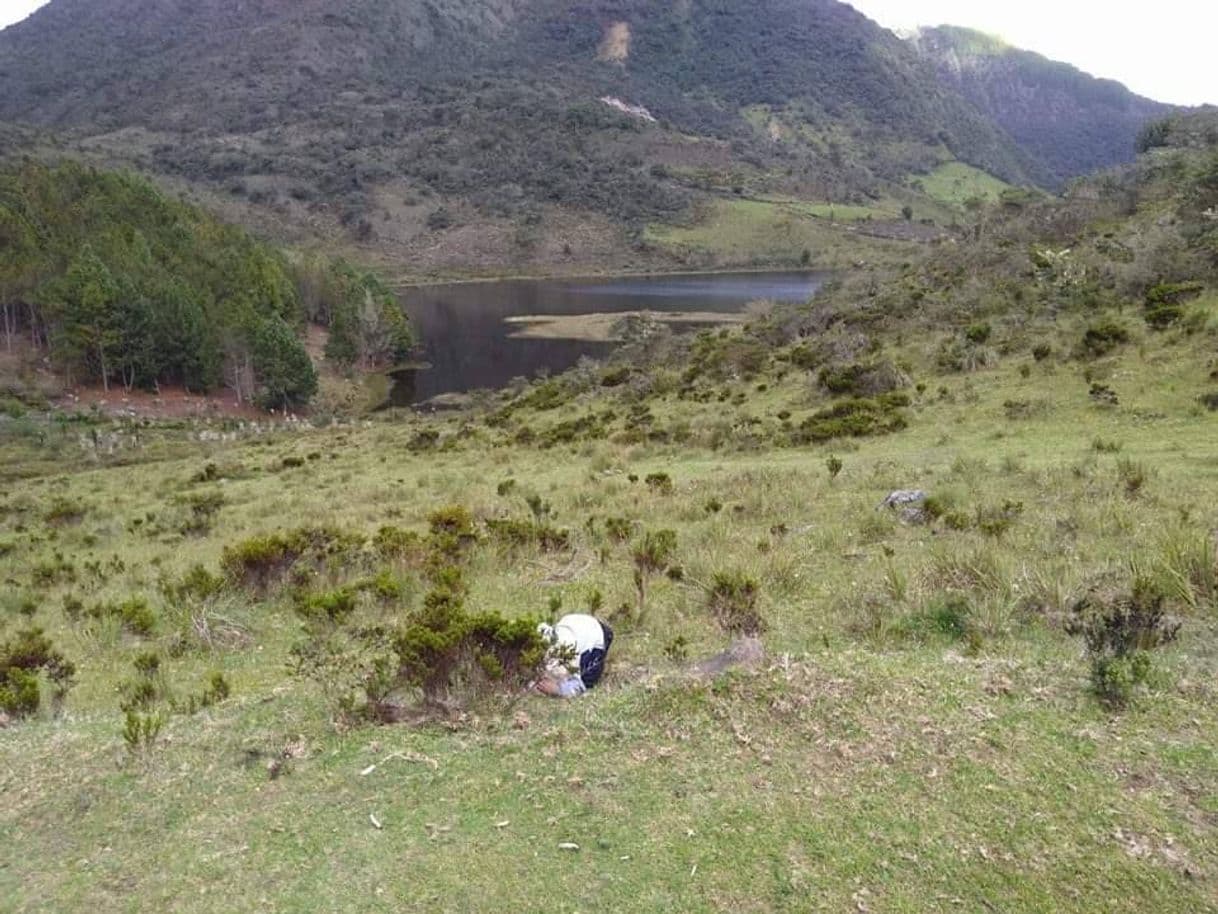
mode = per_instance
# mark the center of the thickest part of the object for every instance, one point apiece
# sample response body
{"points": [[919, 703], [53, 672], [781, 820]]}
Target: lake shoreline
{"points": [[614, 274]]}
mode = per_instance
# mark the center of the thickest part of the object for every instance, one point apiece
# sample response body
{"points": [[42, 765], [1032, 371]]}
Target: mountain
{"points": [[408, 120], [1070, 122], [483, 135]]}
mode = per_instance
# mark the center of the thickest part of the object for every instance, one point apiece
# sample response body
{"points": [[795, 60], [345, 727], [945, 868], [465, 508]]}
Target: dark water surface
{"points": [[469, 345]]}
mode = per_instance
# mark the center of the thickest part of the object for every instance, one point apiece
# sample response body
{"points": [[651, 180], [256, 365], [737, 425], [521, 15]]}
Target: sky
{"points": [[1164, 49]]}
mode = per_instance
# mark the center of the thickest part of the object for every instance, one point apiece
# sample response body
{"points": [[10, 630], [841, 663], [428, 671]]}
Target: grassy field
{"points": [[955, 183], [888, 757], [760, 232]]}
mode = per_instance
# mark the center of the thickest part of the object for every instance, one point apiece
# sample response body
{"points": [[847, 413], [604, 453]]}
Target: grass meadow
{"points": [[921, 737]]}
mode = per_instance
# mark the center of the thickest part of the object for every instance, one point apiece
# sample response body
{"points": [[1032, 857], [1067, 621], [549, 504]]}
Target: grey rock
{"points": [[902, 498]]}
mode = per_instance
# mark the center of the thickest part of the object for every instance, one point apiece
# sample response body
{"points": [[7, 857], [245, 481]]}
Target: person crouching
{"points": [[579, 645]]}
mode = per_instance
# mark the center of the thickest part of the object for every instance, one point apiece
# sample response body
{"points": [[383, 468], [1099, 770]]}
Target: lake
{"points": [[484, 334]]}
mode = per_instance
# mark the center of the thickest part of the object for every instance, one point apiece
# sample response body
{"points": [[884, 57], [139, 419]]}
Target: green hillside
{"points": [[1068, 121], [998, 695], [413, 132], [117, 284]]}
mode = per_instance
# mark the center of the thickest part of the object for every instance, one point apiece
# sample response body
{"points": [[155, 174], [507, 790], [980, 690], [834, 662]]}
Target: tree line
{"points": [[122, 285]]}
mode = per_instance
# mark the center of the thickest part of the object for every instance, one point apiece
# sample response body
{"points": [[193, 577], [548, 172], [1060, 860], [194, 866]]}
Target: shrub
{"points": [[443, 647], [1102, 338], [660, 483], [1042, 351], [147, 688], [202, 508], [51, 571], [655, 550], [64, 512], [425, 439], [452, 520], [854, 418], [949, 616], [653, 554], [395, 543], [1209, 400], [384, 586], [978, 334], [260, 561], [677, 650], [141, 730], [196, 585], [1133, 476], [616, 377], [834, 465], [538, 507], [996, 520], [134, 613], [862, 379], [732, 600], [1103, 395], [22, 658], [619, 529], [1164, 304], [333, 606], [1016, 410], [529, 533], [1119, 631], [452, 535], [477, 653]]}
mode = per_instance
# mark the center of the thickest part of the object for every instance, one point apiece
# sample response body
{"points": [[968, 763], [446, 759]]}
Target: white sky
{"points": [[1165, 49]]}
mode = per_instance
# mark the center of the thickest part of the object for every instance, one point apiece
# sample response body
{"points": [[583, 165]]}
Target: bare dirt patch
{"points": [[615, 46]]}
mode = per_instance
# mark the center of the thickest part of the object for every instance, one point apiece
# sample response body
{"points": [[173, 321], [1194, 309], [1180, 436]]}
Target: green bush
{"points": [[1133, 475], [263, 560], [333, 606], [425, 439], [196, 584], [996, 520], [978, 334], [660, 483], [202, 508], [1119, 630], [948, 616], [732, 600], [22, 658], [619, 529], [653, 554], [134, 613], [384, 586], [391, 542], [141, 730], [854, 418], [1102, 338], [513, 533], [862, 379], [443, 648], [1165, 301]]}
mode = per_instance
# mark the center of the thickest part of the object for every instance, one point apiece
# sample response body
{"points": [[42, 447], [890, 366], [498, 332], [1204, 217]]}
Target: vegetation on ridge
{"points": [[119, 284]]}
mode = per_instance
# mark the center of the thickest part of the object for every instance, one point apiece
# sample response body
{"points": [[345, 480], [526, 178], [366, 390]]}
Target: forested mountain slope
{"points": [[118, 284], [407, 121], [1071, 122]]}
